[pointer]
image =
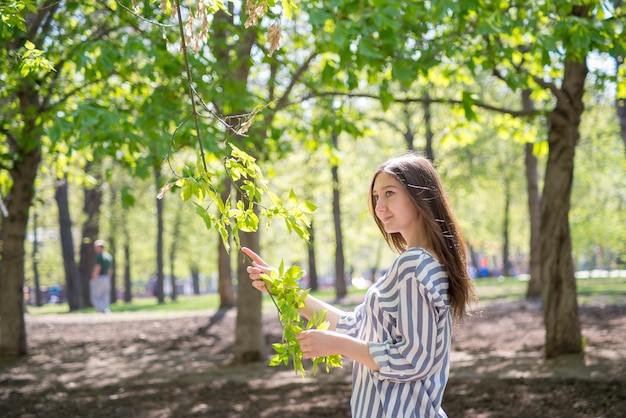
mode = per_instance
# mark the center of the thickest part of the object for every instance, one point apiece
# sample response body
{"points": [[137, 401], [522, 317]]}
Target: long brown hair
{"points": [[421, 181]]}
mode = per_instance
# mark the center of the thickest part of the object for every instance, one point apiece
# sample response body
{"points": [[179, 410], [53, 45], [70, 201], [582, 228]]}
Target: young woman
{"points": [[399, 337]]}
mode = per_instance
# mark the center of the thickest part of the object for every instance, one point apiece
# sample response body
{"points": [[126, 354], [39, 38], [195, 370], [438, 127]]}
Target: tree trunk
{"points": [[172, 256], [563, 333], [534, 211], [430, 153], [91, 209], [159, 248], [249, 346], [195, 279], [340, 278], [313, 282], [18, 202], [409, 135], [620, 102], [225, 278], [113, 244], [621, 114], [620, 105], [113, 250], [128, 294], [506, 258], [174, 293], [73, 282], [532, 184], [38, 301]]}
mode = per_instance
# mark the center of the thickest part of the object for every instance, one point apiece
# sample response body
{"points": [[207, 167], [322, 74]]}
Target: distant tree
{"points": [[74, 284], [340, 263], [175, 243], [90, 230], [160, 289], [533, 291], [36, 282], [225, 276], [313, 278]]}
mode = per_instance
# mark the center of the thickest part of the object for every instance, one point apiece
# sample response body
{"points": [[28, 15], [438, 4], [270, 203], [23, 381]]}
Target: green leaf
{"points": [[386, 98], [201, 211], [276, 360], [310, 206], [468, 104]]}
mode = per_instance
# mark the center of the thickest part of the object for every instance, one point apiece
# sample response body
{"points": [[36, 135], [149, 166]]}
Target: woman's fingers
{"points": [[257, 268], [315, 343], [256, 259], [255, 275], [307, 346], [258, 264], [304, 341], [259, 285]]}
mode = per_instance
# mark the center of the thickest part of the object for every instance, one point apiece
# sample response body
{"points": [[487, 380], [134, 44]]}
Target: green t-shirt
{"points": [[105, 260]]}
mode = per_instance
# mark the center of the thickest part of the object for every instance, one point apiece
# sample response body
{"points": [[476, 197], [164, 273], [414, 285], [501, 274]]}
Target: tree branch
{"points": [[54, 75], [483, 105], [387, 122], [13, 144], [70, 93], [39, 23], [550, 86], [283, 101]]}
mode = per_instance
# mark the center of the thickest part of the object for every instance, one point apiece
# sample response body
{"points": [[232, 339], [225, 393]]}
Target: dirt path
{"points": [[161, 366]]}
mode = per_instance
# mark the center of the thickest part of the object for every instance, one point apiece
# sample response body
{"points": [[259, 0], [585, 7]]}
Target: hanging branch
{"points": [[183, 46]]}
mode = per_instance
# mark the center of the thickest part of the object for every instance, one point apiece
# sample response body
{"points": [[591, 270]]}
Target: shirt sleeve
{"points": [[412, 353], [348, 322]]}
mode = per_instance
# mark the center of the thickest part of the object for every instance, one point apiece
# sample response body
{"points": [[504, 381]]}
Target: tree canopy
{"points": [[141, 83]]}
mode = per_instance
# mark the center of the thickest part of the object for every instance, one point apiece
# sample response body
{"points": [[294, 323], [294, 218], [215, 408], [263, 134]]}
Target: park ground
{"points": [[179, 365]]}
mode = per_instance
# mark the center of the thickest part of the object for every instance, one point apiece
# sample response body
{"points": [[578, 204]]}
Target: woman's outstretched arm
{"points": [[312, 304], [316, 343]]}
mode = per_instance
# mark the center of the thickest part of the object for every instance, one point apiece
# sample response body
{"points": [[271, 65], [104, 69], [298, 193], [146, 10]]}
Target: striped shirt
{"points": [[406, 319]]}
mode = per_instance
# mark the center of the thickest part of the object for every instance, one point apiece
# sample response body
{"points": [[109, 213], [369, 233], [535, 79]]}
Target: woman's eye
{"points": [[388, 193]]}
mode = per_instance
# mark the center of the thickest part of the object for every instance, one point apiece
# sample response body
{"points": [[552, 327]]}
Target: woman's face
{"points": [[395, 209]]}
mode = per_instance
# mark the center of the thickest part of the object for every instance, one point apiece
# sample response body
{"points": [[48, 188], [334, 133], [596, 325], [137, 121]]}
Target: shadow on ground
{"points": [[127, 365]]}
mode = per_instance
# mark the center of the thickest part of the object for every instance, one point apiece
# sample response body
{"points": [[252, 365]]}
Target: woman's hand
{"points": [[319, 343], [257, 268]]}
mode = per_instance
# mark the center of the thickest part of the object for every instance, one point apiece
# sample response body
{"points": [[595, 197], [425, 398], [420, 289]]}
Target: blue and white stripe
{"points": [[407, 321]]}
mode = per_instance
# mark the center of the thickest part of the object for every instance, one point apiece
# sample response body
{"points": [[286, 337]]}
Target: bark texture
{"points": [[249, 346], [72, 278], [534, 211], [563, 333], [18, 202], [91, 229], [340, 277], [313, 282]]}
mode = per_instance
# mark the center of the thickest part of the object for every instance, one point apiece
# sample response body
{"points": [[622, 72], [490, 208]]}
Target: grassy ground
{"points": [[611, 290]]}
